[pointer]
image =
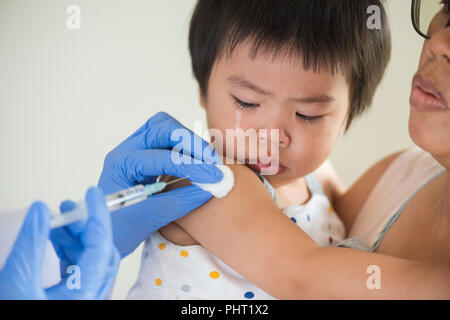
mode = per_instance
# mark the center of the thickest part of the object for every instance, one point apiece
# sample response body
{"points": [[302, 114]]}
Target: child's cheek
{"points": [[229, 130]]}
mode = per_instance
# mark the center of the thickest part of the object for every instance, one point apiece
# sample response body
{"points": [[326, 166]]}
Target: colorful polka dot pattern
{"points": [[184, 253], [216, 274], [186, 288], [212, 274]]}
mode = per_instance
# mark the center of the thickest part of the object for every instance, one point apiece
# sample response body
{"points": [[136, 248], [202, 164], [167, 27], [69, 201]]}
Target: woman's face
{"points": [[429, 123]]}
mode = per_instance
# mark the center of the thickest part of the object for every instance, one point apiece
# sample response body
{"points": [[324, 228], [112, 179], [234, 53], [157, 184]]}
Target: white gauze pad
{"points": [[219, 189]]}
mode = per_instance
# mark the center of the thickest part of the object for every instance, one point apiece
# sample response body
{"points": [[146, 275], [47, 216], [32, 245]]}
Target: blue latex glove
{"points": [[93, 253], [140, 159]]}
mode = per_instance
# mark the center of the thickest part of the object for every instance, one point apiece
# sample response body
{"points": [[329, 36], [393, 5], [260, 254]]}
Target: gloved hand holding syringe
{"points": [[142, 157], [138, 193], [114, 202]]}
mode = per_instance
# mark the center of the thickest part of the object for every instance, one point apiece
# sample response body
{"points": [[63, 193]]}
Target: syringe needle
{"points": [[159, 186], [176, 180]]}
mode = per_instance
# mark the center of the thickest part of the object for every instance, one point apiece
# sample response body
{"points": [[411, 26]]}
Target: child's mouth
{"points": [[266, 167]]}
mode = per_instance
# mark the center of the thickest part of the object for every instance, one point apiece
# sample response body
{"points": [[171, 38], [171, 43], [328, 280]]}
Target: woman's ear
{"points": [[202, 99]]}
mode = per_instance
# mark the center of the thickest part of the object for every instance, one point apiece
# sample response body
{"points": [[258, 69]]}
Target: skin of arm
{"points": [[349, 204], [256, 239], [332, 185], [326, 173]]}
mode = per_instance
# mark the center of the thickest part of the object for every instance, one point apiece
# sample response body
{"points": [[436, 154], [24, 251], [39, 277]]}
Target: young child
{"points": [[304, 67]]}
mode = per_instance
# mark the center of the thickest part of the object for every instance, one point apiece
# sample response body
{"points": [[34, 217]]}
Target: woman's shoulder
{"points": [[349, 204], [400, 170], [369, 179], [397, 165], [408, 173]]}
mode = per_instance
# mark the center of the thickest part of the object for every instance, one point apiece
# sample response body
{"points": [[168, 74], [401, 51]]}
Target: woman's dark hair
{"points": [[332, 34]]}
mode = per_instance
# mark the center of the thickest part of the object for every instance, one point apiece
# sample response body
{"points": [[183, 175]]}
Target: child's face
{"points": [[308, 108]]}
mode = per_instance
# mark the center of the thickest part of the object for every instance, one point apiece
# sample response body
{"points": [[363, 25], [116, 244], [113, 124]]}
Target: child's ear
{"points": [[201, 98]]}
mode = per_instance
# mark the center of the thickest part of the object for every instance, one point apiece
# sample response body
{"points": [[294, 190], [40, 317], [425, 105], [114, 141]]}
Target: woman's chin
{"points": [[430, 133]]}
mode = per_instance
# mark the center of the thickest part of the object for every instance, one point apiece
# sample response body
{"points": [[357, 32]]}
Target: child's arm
{"points": [[248, 232], [173, 232], [349, 204]]}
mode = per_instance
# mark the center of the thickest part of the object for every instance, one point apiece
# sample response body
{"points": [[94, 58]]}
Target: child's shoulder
{"points": [[331, 183]]}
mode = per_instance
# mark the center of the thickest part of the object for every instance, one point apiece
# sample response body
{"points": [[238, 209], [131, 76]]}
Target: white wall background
{"points": [[67, 97]]}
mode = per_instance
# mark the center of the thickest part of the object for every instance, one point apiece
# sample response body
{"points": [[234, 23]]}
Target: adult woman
{"points": [[410, 240]]}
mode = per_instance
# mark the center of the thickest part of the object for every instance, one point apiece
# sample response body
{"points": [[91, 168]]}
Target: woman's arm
{"points": [[249, 233]]}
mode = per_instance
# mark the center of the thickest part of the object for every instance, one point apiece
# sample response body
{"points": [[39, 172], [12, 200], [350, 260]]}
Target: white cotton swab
{"points": [[222, 188]]}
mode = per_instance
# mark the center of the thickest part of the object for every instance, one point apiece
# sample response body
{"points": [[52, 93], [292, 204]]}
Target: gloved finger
{"points": [[171, 133], [110, 275], [157, 211], [67, 206], [130, 143], [139, 165], [97, 241], [166, 133], [76, 227], [28, 252], [98, 225], [175, 204], [59, 237], [65, 239], [66, 244]]}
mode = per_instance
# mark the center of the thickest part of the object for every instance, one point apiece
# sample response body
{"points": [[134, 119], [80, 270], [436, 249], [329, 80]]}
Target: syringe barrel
{"points": [[125, 198], [114, 202], [77, 214]]}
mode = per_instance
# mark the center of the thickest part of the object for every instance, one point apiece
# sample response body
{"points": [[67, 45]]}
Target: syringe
{"points": [[115, 201]]}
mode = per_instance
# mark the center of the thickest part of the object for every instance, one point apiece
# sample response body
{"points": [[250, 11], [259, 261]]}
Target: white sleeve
{"points": [[10, 225]]}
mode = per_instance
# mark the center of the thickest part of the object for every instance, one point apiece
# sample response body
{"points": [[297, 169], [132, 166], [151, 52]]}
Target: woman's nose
{"points": [[439, 44]]}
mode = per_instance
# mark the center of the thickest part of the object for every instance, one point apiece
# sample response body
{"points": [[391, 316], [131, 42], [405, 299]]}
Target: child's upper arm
{"points": [[173, 232], [349, 204]]}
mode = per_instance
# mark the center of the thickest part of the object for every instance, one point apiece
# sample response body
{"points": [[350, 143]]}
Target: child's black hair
{"points": [[332, 34]]}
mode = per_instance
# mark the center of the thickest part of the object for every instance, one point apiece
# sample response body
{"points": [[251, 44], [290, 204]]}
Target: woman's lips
{"points": [[425, 96]]}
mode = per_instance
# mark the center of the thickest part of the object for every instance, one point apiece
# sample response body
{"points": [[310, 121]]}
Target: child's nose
{"points": [[285, 140], [277, 137], [275, 123]]}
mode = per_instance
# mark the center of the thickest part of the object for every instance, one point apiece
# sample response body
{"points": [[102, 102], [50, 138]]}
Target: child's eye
{"points": [[241, 104], [306, 118]]}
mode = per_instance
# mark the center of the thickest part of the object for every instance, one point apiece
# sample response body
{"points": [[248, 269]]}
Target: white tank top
{"points": [[406, 175]]}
